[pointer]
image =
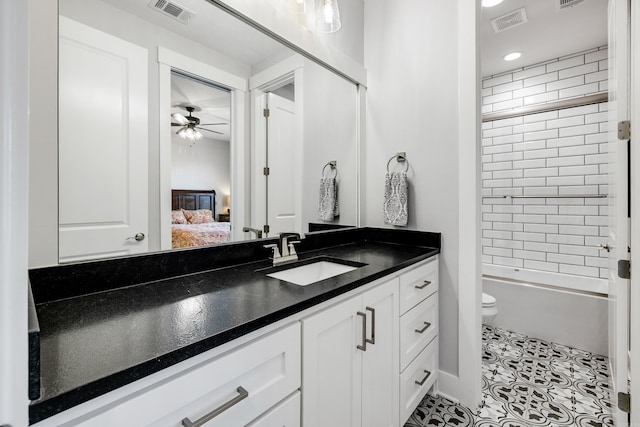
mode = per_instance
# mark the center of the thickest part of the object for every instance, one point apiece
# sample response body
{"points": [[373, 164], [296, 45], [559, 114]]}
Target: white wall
{"points": [[330, 133], [423, 98], [14, 208], [205, 165], [412, 106]]}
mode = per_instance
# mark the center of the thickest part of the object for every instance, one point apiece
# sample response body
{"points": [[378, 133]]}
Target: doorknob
{"points": [[605, 246], [138, 237]]}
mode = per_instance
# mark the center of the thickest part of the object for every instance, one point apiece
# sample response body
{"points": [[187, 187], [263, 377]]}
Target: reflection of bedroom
{"points": [[200, 162]]}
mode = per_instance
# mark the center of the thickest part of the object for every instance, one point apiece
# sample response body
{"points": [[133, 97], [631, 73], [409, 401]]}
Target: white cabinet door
{"points": [[380, 362], [103, 142], [332, 366], [350, 356]]}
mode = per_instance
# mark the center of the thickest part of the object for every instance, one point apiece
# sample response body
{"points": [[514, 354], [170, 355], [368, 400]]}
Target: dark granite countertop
{"points": [[112, 334]]}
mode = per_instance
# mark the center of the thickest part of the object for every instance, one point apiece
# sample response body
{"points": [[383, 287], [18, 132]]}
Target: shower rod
{"points": [[564, 196], [551, 106]]}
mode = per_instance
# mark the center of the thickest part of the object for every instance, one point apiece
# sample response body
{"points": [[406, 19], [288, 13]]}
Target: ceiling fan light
{"points": [[182, 133], [197, 134]]}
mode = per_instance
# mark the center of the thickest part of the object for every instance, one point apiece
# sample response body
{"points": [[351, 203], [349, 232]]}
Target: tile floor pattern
{"points": [[528, 382]]}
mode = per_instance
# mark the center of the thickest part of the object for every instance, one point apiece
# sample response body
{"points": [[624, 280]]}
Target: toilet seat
{"points": [[488, 300]]}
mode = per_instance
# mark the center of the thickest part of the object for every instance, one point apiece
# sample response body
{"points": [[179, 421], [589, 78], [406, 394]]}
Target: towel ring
{"points": [[333, 165], [400, 158]]}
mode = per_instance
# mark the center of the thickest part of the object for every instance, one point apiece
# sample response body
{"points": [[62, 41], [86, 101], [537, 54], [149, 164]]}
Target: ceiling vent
{"points": [[510, 20], [172, 9], [563, 4]]}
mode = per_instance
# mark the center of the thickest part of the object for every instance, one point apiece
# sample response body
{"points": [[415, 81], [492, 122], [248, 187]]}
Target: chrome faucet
{"points": [[285, 251], [257, 232]]}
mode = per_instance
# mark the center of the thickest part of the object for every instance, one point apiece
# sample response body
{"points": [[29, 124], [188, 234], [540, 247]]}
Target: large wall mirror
{"points": [[189, 128]]}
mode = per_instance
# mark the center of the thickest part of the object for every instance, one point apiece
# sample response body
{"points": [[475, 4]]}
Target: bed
{"points": [[193, 219]]}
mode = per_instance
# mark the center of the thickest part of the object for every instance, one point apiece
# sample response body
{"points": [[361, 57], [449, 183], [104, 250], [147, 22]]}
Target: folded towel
{"points": [[328, 208], [395, 198]]}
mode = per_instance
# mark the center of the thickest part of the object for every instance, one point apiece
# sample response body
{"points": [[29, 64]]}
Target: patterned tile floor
{"points": [[528, 382]]}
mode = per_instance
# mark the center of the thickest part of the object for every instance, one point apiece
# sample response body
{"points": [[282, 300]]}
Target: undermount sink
{"points": [[312, 273]]}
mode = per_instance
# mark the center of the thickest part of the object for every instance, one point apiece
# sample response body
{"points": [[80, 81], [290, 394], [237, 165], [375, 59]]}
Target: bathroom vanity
{"points": [[207, 336]]}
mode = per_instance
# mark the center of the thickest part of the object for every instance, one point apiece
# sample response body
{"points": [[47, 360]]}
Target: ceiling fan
{"points": [[190, 125]]}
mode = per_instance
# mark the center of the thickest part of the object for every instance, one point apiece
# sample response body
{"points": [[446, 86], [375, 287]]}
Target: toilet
{"points": [[489, 309]]}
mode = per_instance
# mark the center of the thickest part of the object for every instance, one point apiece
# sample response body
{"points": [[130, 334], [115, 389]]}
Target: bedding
{"points": [[208, 233], [198, 216]]}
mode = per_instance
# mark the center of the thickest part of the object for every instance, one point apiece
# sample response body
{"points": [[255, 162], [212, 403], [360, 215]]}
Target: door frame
{"points": [[240, 193], [286, 71], [635, 215], [14, 172]]}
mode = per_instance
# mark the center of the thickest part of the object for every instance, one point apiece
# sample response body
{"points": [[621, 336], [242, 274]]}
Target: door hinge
{"points": [[624, 402], [265, 228], [624, 130], [624, 269], [266, 171], [265, 112]]}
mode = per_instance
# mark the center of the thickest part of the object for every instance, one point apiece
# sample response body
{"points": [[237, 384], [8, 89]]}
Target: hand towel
{"points": [[396, 193], [328, 208]]}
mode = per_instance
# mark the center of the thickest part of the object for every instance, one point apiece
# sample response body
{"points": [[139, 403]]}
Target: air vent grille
{"points": [[172, 9], [563, 4], [510, 20]]}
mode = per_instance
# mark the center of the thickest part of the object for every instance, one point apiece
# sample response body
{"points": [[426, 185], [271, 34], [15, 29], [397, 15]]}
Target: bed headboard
{"points": [[193, 199]]}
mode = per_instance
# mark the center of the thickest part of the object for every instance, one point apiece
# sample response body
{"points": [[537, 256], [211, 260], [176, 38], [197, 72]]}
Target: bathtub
{"points": [[573, 317]]}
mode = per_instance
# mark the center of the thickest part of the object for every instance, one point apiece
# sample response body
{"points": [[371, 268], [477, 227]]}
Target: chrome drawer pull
{"points": [[363, 347], [373, 325], [426, 326], [242, 394], [424, 285], [421, 382]]}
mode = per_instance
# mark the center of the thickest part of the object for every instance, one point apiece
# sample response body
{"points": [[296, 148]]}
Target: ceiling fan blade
{"points": [[212, 124], [209, 130], [180, 118], [176, 124]]}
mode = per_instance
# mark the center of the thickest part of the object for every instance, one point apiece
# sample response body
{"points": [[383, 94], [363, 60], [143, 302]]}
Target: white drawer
{"points": [[284, 414], [267, 368], [418, 327], [411, 393], [418, 284]]}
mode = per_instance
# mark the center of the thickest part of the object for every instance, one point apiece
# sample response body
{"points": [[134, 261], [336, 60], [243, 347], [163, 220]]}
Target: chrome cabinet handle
{"points": [[426, 326], [424, 285], [422, 381], [242, 394], [138, 237], [363, 346], [373, 325]]}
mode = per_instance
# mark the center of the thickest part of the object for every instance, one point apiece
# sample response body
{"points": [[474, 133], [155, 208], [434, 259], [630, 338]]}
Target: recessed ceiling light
{"points": [[511, 56], [490, 3]]}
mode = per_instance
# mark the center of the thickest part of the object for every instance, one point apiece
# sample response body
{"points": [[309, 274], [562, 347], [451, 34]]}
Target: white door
{"points": [[332, 366], [380, 362], [618, 200], [102, 144], [282, 197]]}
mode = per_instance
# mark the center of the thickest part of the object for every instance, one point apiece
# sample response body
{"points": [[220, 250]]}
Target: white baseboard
{"points": [[448, 386]]}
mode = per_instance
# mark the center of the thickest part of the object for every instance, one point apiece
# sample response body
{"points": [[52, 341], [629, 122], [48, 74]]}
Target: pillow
{"points": [[199, 216], [177, 217]]}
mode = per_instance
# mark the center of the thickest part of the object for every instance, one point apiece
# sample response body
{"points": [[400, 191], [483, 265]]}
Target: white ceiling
{"points": [[215, 105], [210, 27], [548, 34]]}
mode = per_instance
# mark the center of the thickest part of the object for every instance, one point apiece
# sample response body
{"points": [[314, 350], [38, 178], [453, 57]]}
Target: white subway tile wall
{"points": [[553, 153]]}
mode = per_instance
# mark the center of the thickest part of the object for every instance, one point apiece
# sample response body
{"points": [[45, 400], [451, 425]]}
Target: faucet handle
{"points": [[276, 251], [292, 249]]}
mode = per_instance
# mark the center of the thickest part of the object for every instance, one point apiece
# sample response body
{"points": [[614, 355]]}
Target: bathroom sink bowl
{"points": [[311, 273]]}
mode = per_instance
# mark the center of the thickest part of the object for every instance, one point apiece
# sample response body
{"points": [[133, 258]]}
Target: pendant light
{"points": [[328, 16]]}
